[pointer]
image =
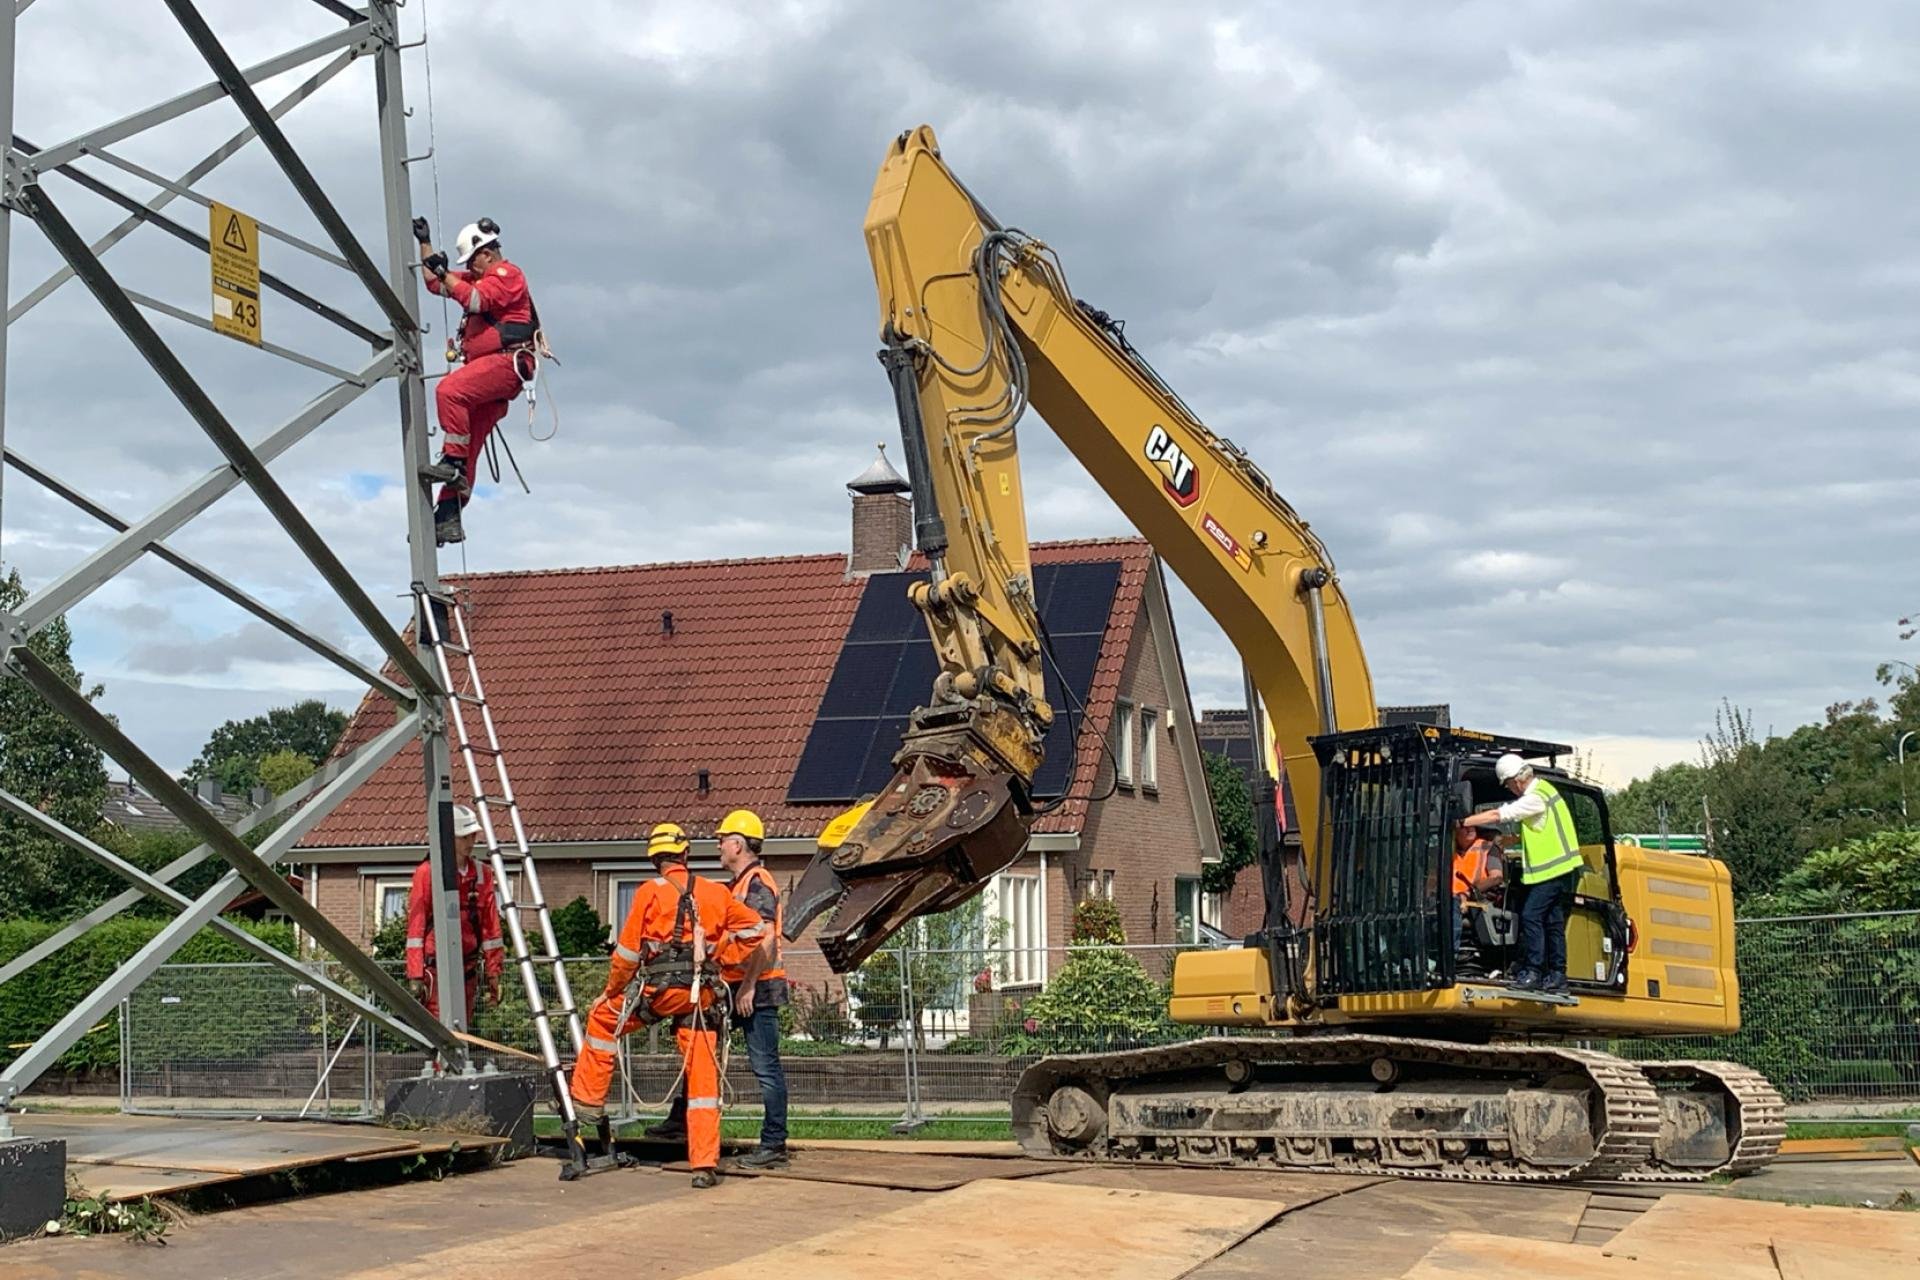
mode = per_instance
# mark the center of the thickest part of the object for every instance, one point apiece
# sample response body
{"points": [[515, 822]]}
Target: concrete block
{"points": [[33, 1183], [499, 1105]]}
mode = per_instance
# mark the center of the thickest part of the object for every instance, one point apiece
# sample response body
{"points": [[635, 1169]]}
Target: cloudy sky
{"points": [[1585, 334]]}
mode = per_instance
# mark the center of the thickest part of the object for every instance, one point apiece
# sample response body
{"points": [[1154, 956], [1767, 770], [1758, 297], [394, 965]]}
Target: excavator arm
{"points": [[977, 323]]}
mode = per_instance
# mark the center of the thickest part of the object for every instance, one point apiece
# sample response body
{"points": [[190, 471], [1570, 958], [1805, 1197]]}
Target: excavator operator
{"points": [[680, 932], [498, 352], [1478, 870]]}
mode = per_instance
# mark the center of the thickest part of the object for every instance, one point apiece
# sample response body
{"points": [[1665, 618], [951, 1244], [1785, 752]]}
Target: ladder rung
{"points": [[450, 647], [498, 802], [472, 700], [481, 751], [444, 596]]}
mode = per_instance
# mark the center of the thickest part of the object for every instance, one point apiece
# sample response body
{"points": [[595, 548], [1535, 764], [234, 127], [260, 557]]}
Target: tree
{"points": [[1101, 999], [281, 771], [234, 751], [1233, 814], [50, 764], [1674, 789], [1757, 804], [943, 953]]}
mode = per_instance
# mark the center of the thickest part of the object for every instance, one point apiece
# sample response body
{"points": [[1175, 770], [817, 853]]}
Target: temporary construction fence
{"points": [[1831, 1012]]}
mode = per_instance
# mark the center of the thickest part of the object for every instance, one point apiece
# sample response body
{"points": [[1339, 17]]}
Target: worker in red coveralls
{"points": [[497, 354], [679, 932], [480, 944]]}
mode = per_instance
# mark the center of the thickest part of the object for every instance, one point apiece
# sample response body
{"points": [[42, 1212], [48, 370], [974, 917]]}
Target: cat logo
{"points": [[1177, 472]]}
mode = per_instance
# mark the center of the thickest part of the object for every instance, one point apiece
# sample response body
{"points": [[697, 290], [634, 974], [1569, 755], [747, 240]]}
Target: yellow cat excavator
{"points": [[1391, 1057]]}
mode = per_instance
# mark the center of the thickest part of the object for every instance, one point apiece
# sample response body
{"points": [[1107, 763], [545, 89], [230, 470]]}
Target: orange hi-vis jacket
{"points": [[657, 922], [1473, 865], [754, 876]]}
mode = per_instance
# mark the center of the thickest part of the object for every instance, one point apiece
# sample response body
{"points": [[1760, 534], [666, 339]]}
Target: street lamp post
{"points": [[1900, 759]]}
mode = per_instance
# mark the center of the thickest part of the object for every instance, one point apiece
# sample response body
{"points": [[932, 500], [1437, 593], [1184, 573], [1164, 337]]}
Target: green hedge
{"points": [[41, 996]]}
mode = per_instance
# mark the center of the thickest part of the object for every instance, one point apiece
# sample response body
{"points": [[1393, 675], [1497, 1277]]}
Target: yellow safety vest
{"points": [[1549, 848]]}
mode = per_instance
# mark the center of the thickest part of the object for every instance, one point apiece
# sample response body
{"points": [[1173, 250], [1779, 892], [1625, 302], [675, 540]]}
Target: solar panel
{"points": [[887, 666]]}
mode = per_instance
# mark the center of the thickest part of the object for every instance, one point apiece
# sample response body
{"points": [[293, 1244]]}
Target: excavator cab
{"points": [[1380, 915]]}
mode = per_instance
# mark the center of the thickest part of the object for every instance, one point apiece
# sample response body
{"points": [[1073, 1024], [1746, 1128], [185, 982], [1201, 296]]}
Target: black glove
{"points": [[422, 232], [437, 263]]}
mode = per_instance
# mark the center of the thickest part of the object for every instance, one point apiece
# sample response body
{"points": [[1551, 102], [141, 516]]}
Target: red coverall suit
{"points": [[654, 923], [479, 931], [498, 319]]}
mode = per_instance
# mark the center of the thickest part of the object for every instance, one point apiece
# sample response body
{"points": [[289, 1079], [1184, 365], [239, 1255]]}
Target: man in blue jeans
{"points": [[1550, 867], [759, 989]]}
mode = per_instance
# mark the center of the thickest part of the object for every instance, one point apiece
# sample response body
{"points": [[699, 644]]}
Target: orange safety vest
{"points": [[1470, 865], [758, 872]]}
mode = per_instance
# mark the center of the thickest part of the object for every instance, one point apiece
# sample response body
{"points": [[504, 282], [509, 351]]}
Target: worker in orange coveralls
{"points": [[480, 944], [681, 930], [498, 351]]}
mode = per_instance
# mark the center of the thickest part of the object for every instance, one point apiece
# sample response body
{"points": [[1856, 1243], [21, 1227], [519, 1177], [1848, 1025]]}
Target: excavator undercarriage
{"points": [[1404, 1106]]}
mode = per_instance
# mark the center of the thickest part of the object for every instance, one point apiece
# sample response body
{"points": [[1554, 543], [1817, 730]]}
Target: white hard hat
{"points": [[465, 823], [1508, 767], [470, 241]]}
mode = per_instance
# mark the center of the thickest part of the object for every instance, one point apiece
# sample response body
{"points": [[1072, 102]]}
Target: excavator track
{"points": [[1098, 1106], [1755, 1117]]}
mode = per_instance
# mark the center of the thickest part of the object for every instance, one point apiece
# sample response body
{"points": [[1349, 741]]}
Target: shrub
{"points": [[819, 1015], [1097, 922], [1101, 999], [41, 996]]}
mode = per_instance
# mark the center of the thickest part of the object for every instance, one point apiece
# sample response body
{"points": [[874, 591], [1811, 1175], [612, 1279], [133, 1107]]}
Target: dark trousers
{"points": [[1543, 925], [763, 1055]]}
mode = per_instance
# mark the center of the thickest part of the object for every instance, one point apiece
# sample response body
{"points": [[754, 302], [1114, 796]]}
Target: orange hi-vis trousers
{"points": [[699, 1051]]}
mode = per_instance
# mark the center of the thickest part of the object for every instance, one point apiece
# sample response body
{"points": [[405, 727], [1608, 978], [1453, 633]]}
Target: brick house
{"points": [[626, 696]]}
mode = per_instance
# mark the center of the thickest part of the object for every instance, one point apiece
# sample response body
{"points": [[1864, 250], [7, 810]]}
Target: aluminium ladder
{"points": [[435, 610]]}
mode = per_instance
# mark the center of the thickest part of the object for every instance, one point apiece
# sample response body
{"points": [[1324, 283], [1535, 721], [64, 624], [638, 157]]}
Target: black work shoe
{"points": [[446, 528], [1527, 981], [446, 471], [1554, 984], [665, 1131], [764, 1158], [704, 1178]]}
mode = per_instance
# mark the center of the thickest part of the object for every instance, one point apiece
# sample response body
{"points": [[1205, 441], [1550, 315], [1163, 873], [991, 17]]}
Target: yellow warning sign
{"points": [[233, 240]]}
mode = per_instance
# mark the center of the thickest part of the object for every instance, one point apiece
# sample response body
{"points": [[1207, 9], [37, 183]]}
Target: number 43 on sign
{"points": [[233, 244]]}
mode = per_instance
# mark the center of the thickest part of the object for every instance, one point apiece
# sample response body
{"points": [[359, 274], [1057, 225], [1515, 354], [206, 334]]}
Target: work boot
{"points": [[446, 470], [764, 1158], [666, 1131], [1554, 984], [1524, 980], [621, 1160], [704, 1178], [446, 524]]}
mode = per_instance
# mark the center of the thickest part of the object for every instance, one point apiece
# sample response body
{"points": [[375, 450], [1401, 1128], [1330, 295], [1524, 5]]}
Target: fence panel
{"points": [[1830, 1005]]}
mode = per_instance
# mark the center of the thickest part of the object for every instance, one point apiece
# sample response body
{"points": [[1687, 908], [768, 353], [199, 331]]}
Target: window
{"points": [[1017, 903], [620, 891], [1213, 910], [390, 900], [1149, 749], [1186, 910], [1123, 741], [1103, 885]]}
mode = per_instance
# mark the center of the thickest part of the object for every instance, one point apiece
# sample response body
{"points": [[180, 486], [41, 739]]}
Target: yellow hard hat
{"points": [[665, 840], [742, 822]]}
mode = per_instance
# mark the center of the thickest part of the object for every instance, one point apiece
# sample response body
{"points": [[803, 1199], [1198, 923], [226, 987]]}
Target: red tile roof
{"points": [[606, 720]]}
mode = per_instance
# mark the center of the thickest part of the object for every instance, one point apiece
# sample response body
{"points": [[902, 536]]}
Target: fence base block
{"points": [[498, 1105], [33, 1183]]}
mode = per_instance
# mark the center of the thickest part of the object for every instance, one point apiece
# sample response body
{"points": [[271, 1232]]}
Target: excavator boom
{"points": [[977, 323]]}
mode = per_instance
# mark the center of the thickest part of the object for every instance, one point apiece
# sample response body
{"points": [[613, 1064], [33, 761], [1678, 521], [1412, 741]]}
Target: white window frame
{"points": [[1123, 747], [1192, 936], [381, 886], [616, 917], [1018, 900], [1149, 749], [1103, 885]]}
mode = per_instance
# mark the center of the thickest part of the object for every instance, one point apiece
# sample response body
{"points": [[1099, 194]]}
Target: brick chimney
{"points": [[882, 519]]}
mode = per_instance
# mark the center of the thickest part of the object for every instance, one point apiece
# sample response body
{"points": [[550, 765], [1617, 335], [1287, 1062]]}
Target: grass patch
{"points": [[1852, 1129]]}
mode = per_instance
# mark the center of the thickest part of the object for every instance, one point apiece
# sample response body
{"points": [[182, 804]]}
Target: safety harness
{"points": [[684, 962]]}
